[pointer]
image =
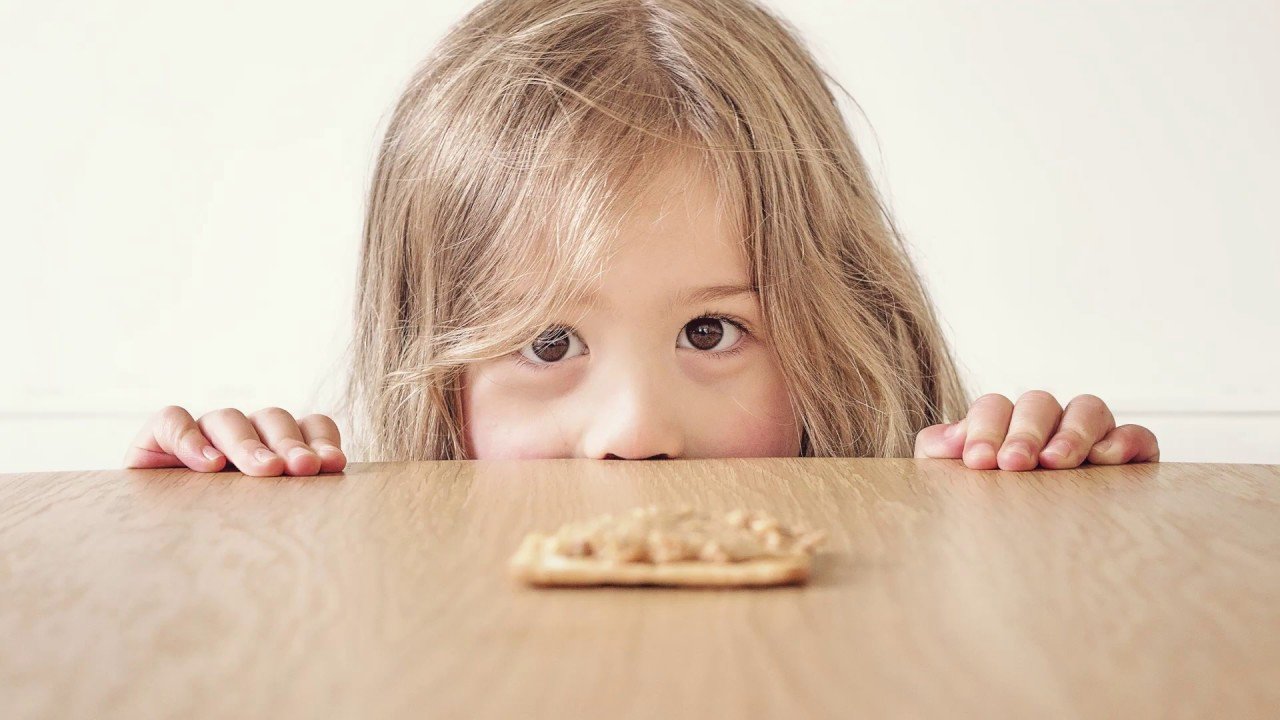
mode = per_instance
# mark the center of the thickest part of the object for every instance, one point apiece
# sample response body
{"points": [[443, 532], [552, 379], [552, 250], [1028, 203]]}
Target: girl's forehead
{"points": [[675, 221], [680, 214], [603, 211], [676, 195], [662, 226], [678, 184]]}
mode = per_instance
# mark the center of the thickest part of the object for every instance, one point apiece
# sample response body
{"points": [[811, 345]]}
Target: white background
{"points": [[1090, 189]]}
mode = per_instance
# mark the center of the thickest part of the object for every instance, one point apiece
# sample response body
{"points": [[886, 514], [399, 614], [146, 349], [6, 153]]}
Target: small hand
{"points": [[268, 442], [1036, 431]]}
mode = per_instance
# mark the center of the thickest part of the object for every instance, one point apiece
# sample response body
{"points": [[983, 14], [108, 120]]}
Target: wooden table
{"points": [[1141, 591]]}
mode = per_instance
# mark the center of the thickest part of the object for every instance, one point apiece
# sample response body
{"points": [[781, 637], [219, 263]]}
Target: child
{"points": [[637, 229]]}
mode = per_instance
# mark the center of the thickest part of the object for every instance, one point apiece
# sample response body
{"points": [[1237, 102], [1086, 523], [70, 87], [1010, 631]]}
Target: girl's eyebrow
{"points": [[691, 296], [688, 296]]}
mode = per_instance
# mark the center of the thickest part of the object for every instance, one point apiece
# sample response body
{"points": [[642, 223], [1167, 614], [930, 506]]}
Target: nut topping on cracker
{"points": [[655, 546]]}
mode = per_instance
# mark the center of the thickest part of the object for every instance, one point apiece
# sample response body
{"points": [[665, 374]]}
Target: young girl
{"points": [[636, 229]]}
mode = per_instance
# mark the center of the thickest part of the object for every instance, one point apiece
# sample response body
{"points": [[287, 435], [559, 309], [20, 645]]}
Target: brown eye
{"points": [[550, 347], [704, 333], [708, 333]]}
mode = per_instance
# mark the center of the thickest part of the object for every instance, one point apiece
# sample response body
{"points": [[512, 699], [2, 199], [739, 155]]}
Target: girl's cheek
{"points": [[749, 414], [513, 442], [500, 423], [769, 430]]}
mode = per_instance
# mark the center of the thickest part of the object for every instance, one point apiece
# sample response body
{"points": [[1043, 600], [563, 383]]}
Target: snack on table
{"points": [[654, 546]]}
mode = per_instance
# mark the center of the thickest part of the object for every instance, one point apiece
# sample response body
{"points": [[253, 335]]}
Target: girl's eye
{"points": [[551, 347], [714, 334]]}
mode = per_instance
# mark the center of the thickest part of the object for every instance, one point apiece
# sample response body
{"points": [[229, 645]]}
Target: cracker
{"points": [[652, 546]]}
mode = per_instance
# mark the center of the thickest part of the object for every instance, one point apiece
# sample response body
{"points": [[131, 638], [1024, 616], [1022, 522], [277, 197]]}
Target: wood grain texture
{"points": [[1141, 591]]}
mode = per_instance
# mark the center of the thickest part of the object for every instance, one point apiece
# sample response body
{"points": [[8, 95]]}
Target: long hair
{"points": [[509, 160]]}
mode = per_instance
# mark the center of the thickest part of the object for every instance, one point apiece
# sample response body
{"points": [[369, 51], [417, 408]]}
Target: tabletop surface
{"points": [[1148, 590]]}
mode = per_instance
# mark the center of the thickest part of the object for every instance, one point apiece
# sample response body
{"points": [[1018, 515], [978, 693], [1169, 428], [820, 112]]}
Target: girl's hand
{"points": [[266, 443], [1037, 431]]}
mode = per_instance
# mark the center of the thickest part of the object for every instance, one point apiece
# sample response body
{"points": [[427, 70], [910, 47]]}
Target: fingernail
{"points": [[952, 431], [297, 452], [1059, 447], [1103, 446], [211, 453], [264, 455], [1017, 448], [982, 450]]}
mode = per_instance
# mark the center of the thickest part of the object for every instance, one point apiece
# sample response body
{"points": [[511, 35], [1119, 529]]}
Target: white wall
{"points": [[1089, 188]]}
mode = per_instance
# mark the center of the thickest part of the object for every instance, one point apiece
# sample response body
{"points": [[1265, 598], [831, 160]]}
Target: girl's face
{"points": [[668, 362]]}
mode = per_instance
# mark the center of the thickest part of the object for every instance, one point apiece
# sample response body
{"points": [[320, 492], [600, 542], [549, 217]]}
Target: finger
{"points": [[1035, 416], [988, 422], [1085, 421], [1125, 444], [321, 433], [170, 438], [280, 432], [945, 440], [231, 432]]}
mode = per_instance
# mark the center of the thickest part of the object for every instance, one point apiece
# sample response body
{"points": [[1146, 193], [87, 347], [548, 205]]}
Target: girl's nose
{"points": [[641, 434], [636, 419]]}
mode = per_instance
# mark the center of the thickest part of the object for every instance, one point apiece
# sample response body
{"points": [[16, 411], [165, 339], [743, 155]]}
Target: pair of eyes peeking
{"points": [[706, 333]]}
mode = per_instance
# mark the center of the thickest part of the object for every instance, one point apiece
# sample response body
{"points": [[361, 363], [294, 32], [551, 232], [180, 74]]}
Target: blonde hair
{"points": [[508, 162]]}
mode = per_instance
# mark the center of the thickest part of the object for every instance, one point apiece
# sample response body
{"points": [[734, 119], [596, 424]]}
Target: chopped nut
{"points": [[764, 524], [567, 546], [712, 552], [737, 518], [667, 547]]}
